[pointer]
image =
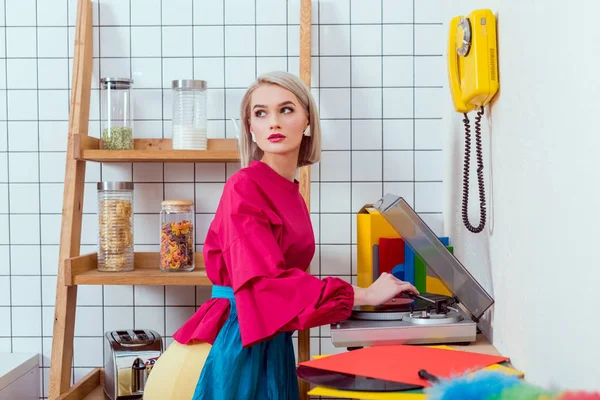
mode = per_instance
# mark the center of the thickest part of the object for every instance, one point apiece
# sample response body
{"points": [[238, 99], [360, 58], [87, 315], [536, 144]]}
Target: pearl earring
{"points": [[253, 136], [307, 131]]}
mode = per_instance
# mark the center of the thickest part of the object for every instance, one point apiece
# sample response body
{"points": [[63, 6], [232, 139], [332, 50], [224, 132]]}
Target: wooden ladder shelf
{"points": [[75, 269]]}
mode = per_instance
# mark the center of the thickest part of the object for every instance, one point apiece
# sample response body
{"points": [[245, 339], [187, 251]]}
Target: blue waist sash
{"points": [[223, 292], [265, 371]]}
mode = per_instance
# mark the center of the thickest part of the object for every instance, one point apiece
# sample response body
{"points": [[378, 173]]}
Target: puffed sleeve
{"points": [[272, 297]]}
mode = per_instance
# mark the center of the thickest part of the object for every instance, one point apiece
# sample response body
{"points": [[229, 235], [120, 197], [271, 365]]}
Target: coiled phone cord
{"points": [[465, 199]]}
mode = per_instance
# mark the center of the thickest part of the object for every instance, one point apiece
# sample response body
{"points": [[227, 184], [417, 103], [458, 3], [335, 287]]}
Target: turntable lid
{"points": [[436, 256]]}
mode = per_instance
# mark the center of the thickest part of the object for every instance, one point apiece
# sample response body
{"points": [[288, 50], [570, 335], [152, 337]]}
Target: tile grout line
{"points": [[195, 226], [320, 176], [24, 89], [255, 43], [382, 102], [222, 182], [287, 35], [432, 55], [329, 183], [222, 119], [162, 99], [37, 70], [223, 25], [132, 164], [102, 293], [413, 106], [236, 25], [9, 183], [351, 131]]}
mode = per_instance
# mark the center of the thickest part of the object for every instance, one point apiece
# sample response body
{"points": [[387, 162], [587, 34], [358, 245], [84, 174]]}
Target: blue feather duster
{"points": [[481, 385]]}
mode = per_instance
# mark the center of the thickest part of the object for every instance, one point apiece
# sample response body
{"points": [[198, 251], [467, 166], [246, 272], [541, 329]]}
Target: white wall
{"points": [[537, 254]]}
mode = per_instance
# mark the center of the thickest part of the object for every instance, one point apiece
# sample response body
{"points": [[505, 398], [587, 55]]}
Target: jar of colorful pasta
{"points": [[177, 235], [115, 226]]}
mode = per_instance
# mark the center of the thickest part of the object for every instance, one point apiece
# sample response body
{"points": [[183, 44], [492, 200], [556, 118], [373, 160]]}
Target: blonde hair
{"points": [[310, 147]]}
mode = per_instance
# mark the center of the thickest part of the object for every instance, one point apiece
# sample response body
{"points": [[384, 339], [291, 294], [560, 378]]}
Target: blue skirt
{"points": [[264, 371]]}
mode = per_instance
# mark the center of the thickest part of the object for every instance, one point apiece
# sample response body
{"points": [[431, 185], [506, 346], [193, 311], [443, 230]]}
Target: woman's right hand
{"points": [[384, 289]]}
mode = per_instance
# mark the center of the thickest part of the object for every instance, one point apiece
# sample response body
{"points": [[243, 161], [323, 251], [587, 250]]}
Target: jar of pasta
{"points": [[177, 235], [115, 226]]}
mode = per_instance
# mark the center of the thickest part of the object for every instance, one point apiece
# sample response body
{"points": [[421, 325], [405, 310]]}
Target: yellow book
{"points": [[370, 226], [348, 394]]}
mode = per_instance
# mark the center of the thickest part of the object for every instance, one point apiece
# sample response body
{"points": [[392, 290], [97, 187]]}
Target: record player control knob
{"points": [[424, 314]]}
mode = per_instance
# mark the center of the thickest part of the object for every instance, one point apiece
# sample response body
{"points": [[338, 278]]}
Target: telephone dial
{"points": [[473, 76]]}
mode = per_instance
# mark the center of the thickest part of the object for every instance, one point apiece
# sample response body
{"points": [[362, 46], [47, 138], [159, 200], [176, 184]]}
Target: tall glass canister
{"points": [[177, 235], [117, 121], [189, 115], [115, 226]]}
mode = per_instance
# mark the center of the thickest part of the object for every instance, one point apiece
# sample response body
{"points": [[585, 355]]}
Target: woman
{"points": [[238, 345]]}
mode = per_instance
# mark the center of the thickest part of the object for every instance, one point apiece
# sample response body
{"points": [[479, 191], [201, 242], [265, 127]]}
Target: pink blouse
{"points": [[261, 243]]}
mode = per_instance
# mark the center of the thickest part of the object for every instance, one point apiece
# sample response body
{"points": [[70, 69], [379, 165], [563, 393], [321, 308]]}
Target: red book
{"points": [[391, 253]]}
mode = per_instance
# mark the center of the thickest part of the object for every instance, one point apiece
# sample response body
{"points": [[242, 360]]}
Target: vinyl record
{"points": [[405, 304], [341, 381]]}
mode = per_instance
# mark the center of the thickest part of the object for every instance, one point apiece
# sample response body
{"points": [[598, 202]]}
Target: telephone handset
{"points": [[473, 77]]}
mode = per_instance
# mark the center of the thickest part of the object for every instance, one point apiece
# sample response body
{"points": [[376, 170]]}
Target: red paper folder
{"points": [[402, 363]]}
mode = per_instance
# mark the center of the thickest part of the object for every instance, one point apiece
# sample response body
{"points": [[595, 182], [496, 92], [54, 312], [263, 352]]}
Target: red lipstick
{"points": [[275, 137]]}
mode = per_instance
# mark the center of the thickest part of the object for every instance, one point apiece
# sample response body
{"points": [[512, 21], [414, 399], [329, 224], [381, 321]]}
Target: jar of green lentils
{"points": [[117, 121]]}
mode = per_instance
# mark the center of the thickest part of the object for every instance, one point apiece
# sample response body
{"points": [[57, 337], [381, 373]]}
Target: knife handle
{"points": [[423, 374]]}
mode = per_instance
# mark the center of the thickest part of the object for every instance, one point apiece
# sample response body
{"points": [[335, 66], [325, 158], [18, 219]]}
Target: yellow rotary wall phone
{"points": [[473, 76]]}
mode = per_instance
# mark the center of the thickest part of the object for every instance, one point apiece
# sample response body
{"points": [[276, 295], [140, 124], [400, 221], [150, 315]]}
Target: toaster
{"points": [[129, 356]]}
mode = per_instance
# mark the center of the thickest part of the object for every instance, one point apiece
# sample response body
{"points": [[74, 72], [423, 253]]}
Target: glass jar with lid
{"points": [[117, 121], [115, 226], [177, 235], [189, 114]]}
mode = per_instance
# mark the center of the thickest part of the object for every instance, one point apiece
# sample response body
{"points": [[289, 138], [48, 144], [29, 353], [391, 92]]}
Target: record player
{"points": [[426, 319]]}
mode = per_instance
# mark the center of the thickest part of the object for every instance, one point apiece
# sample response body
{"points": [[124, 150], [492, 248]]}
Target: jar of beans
{"points": [[177, 235], [115, 226]]}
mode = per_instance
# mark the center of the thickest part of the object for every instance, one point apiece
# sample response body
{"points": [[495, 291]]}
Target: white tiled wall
{"points": [[377, 72]]}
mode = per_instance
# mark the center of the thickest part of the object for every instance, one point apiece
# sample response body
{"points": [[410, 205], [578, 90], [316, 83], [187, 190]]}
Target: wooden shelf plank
{"points": [[90, 387], [155, 150], [83, 270], [96, 394]]}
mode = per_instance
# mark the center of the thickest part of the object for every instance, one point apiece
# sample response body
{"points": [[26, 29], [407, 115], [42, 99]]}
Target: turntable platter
{"points": [[398, 309], [389, 311]]}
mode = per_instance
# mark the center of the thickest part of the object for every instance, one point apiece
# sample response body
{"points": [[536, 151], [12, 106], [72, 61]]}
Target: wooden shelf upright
{"points": [[75, 269]]}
